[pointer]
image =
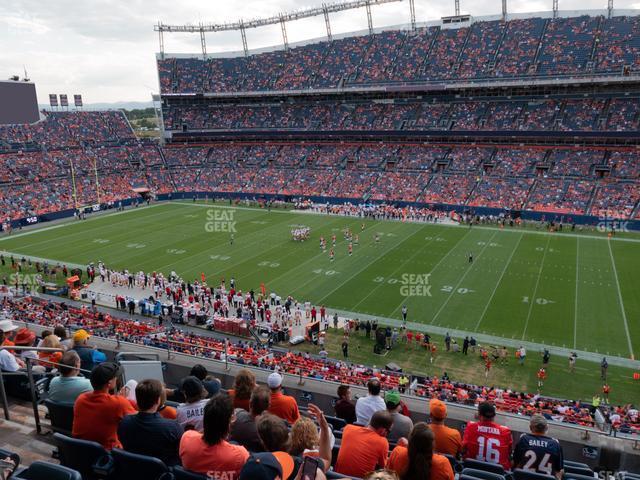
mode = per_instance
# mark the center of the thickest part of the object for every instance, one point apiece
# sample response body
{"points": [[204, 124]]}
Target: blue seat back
{"points": [[82, 455]]}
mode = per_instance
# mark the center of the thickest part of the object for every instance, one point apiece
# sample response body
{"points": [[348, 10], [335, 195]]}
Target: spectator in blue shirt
{"points": [[68, 386]]}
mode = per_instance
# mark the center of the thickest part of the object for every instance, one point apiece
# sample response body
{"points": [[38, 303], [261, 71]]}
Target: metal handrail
{"points": [[29, 371]]}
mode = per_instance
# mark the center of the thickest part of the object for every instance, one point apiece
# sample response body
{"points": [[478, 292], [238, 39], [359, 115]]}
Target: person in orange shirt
{"points": [[282, 405], [243, 386], [448, 440], [50, 359], [97, 414], [417, 461], [363, 449], [209, 452]]}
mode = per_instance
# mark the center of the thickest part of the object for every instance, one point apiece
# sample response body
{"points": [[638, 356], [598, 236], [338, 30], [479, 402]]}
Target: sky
{"points": [[105, 49]]}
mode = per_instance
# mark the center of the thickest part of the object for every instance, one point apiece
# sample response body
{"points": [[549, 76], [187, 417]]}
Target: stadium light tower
{"points": [[283, 26], [504, 10], [555, 8], [610, 8], [369, 19], [457, 7], [241, 25], [327, 23], [412, 10], [203, 43]]}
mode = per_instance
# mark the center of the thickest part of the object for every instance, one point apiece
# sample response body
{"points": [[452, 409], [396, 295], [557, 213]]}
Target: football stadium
{"points": [[409, 251]]}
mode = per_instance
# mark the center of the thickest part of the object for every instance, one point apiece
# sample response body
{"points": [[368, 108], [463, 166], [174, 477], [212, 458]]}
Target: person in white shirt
{"points": [[8, 361], [191, 412], [372, 403]]}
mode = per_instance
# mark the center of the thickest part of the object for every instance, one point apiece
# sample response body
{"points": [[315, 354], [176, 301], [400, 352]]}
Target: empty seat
{"points": [[47, 471], [486, 466], [89, 458], [61, 416], [575, 464], [578, 470], [483, 474], [335, 422], [131, 466], [180, 473], [519, 474], [577, 476]]}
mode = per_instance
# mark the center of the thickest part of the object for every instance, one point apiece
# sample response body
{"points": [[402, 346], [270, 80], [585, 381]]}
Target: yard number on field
{"points": [[461, 290], [329, 273], [269, 264], [539, 301]]}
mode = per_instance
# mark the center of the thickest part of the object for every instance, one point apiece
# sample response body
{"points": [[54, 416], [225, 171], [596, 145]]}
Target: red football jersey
{"points": [[489, 442]]}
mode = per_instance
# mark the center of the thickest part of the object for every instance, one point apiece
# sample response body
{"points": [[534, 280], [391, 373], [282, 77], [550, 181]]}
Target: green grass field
{"points": [[575, 291], [580, 291]]}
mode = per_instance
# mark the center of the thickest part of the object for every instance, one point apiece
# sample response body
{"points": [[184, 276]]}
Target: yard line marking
{"points": [[575, 307], [375, 259], [453, 292], [535, 290], [438, 264], [402, 264], [484, 312], [624, 315]]}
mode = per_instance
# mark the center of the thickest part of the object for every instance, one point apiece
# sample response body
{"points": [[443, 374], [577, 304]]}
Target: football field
{"points": [[579, 291]]}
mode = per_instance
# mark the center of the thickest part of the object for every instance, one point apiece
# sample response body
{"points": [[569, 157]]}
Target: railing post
{"points": [[3, 395], [34, 399]]}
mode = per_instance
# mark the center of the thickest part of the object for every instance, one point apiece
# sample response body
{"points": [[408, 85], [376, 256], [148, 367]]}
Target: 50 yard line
{"points": [[624, 315]]}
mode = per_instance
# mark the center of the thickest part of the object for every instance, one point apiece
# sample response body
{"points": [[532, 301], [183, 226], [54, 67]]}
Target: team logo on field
{"points": [[220, 220], [415, 285]]}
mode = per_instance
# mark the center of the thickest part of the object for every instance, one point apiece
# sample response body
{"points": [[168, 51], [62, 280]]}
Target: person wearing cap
{"points": [[363, 449], [402, 424], [372, 403], [415, 458], [274, 435], [284, 406], [8, 328], [244, 431], [486, 440], [209, 452], [262, 466], [448, 440], [8, 361], [68, 386], [89, 356], [25, 338], [191, 413], [147, 433], [537, 453], [97, 414]]}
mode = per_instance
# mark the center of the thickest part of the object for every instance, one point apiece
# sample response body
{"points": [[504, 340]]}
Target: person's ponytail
{"points": [[420, 453]]}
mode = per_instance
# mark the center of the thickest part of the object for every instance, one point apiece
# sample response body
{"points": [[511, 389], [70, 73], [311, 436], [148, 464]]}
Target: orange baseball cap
{"points": [[437, 409]]}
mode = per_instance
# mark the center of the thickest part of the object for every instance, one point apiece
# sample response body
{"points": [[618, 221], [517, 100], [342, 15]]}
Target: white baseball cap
{"points": [[274, 380], [7, 326]]}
